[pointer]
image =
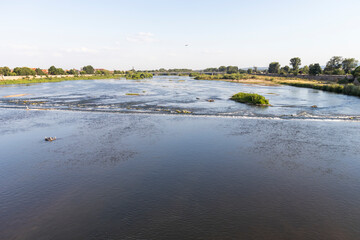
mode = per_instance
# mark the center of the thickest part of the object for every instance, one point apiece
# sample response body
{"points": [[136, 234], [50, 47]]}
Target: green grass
{"points": [[50, 79], [340, 87], [251, 98], [347, 89]]}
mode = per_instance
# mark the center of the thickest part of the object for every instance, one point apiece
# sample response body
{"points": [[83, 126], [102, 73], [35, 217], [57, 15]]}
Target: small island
{"points": [[250, 98], [138, 75]]}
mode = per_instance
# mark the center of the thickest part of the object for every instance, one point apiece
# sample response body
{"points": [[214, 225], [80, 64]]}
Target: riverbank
{"points": [[27, 80], [346, 89]]}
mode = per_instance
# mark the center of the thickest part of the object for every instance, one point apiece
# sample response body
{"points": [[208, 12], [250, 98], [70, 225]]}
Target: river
{"points": [[132, 167]]}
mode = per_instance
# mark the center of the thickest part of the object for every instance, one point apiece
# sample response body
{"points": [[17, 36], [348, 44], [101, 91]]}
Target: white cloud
{"points": [[141, 37]]}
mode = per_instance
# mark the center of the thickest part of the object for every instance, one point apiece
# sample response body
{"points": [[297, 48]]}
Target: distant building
{"points": [[45, 71], [103, 70]]}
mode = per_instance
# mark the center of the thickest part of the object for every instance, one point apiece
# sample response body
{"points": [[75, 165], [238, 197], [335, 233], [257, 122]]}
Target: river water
{"points": [[168, 94], [131, 167]]}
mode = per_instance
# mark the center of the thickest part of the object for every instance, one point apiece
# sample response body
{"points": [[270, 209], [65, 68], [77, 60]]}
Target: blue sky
{"points": [[152, 34]]}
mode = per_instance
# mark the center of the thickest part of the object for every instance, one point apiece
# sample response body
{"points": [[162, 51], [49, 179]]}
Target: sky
{"points": [[196, 34]]}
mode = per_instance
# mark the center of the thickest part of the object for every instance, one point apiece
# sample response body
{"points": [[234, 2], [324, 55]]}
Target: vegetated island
{"points": [[138, 75], [250, 98]]}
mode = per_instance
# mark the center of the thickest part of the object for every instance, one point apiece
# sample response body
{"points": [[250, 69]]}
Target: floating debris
{"points": [[314, 106], [132, 94], [210, 100], [50, 139]]}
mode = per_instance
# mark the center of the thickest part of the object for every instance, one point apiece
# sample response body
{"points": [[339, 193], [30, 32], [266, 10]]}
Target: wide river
{"points": [[132, 167]]}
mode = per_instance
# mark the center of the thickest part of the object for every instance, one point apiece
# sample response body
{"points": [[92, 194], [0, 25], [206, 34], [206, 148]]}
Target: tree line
{"points": [[26, 71], [335, 66]]}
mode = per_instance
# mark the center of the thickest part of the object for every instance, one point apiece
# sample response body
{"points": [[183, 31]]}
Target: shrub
{"points": [[356, 72], [251, 98]]}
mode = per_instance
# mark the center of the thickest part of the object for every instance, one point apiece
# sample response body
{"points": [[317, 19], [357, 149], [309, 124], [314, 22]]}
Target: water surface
{"points": [[116, 175], [168, 94]]}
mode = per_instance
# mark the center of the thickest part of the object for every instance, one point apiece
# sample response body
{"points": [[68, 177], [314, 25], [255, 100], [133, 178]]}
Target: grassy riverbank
{"points": [[55, 79], [347, 89]]}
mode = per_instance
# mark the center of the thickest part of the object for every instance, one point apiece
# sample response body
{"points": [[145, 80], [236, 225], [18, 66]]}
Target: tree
{"points": [[255, 69], [315, 69], [356, 72], [338, 72], [5, 71], [222, 69], [52, 70], [39, 71], [60, 71], [24, 71], [286, 69], [209, 70], [274, 67], [56, 71], [72, 72], [349, 64], [333, 64], [295, 63], [304, 70], [249, 71], [232, 69], [88, 69]]}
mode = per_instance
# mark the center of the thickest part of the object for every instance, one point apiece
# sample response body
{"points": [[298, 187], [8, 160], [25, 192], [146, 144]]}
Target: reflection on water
{"points": [[128, 176], [164, 95]]}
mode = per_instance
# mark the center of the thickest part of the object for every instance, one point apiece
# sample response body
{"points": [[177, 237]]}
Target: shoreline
{"points": [[345, 89], [55, 78]]}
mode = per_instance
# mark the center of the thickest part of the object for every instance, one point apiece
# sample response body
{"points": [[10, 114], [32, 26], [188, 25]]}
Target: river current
{"points": [[139, 167]]}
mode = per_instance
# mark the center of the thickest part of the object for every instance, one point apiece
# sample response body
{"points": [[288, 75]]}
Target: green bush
{"points": [[356, 72], [251, 98], [344, 81], [194, 74]]}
